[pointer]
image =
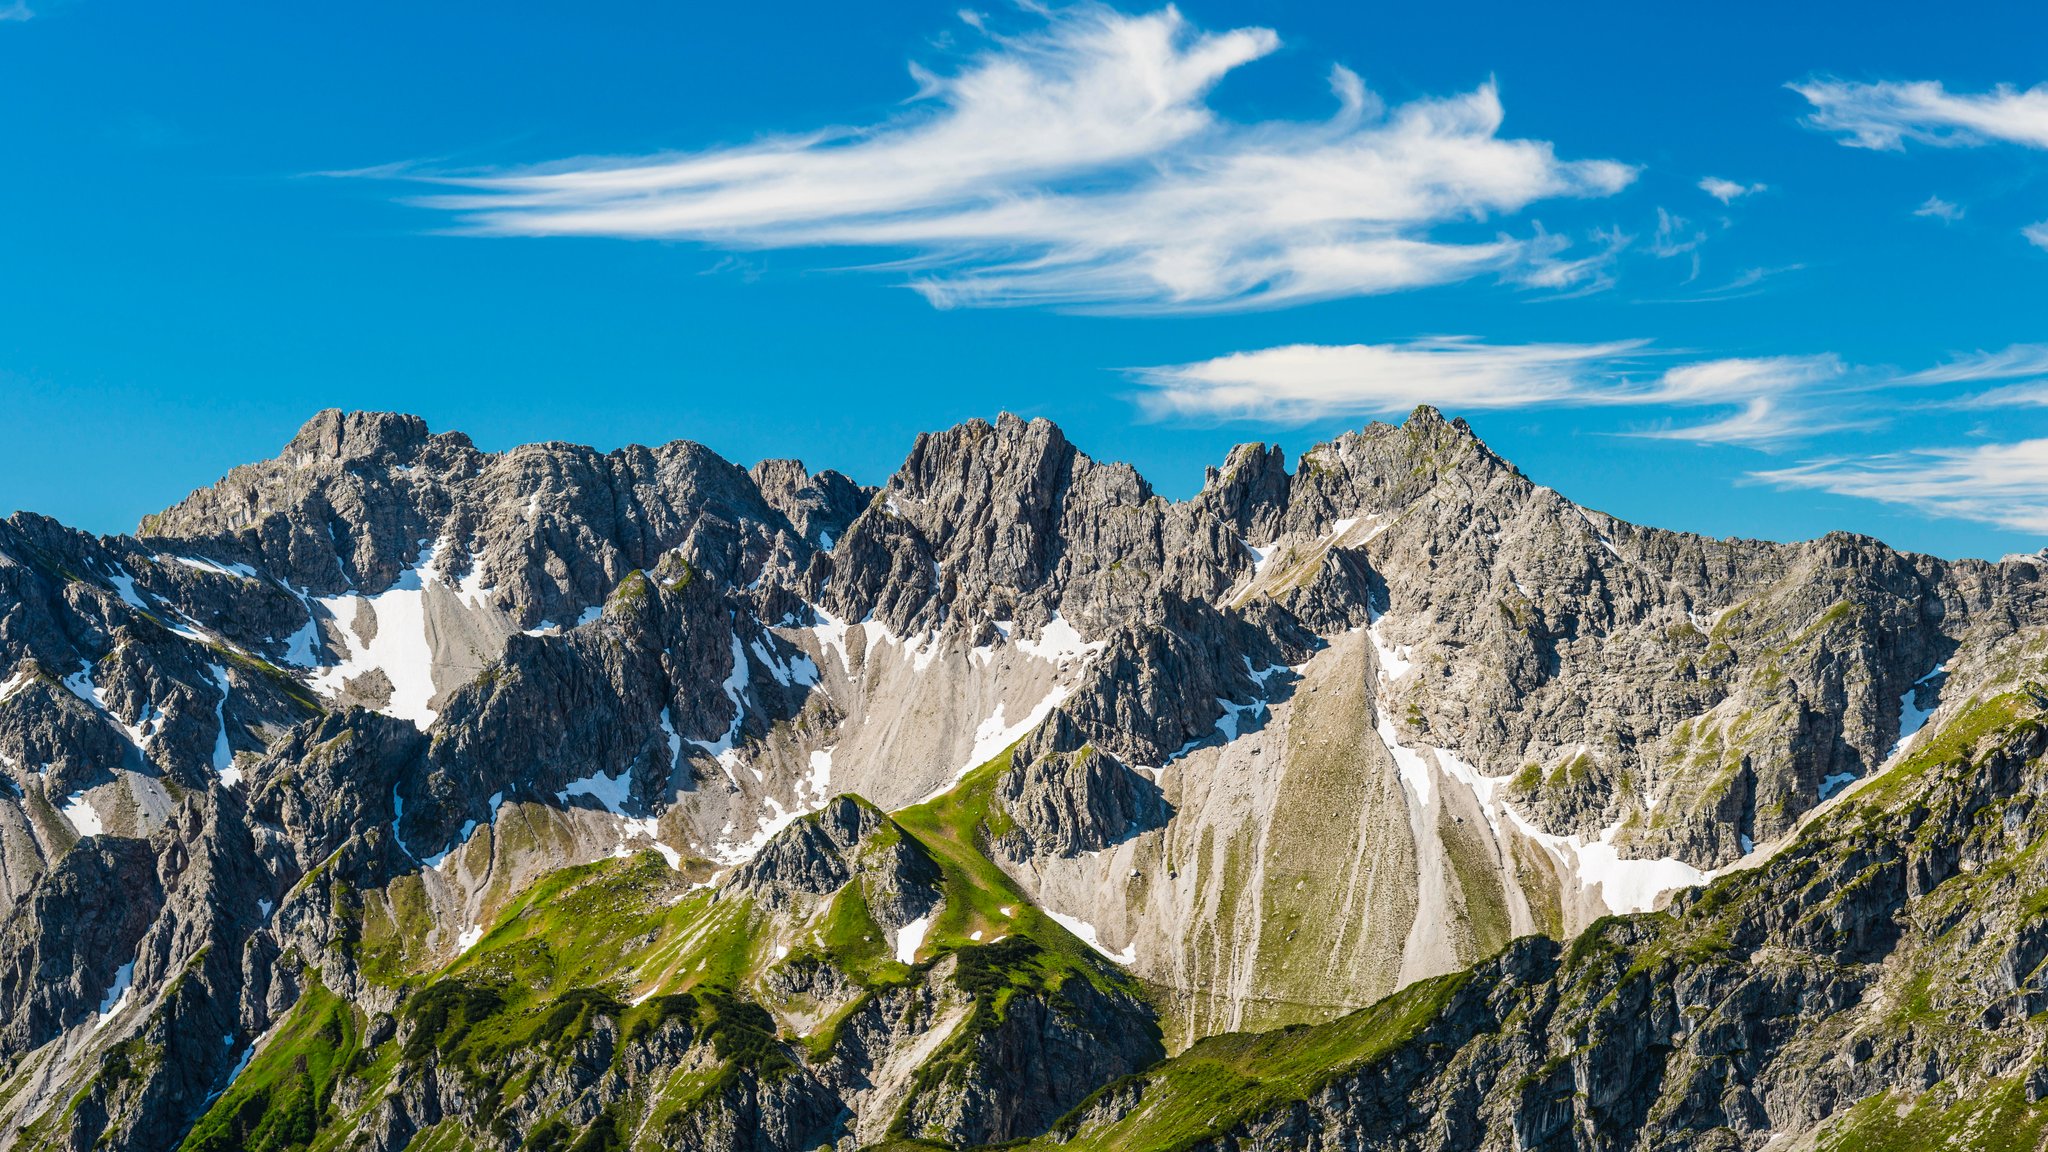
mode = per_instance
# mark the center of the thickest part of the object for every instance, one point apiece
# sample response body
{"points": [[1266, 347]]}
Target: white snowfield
{"points": [[1623, 885], [398, 646], [117, 996], [83, 816], [910, 938], [1088, 935]]}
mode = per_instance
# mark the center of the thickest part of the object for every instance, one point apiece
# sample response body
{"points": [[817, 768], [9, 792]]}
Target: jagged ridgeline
{"points": [[394, 795]]}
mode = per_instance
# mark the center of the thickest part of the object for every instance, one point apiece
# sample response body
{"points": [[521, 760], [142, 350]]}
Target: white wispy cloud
{"points": [[1082, 165], [1302, 382], [1729, 191], [2030, 395], [1940, 210], [1740, 379], [1885, 115], [1675, 236], [16, 11], [2009, 363], [2001, 484]]}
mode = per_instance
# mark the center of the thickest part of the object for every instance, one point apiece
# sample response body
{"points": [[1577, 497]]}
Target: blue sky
{"points": [[1725, 268]]}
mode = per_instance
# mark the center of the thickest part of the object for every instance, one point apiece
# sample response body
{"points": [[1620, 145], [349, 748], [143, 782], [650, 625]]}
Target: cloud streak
{"points": [[1888, 114], [2001, 484], [1939, 209], [1082, 165], [2009, 363], [1302, 382], [1729, 191]]}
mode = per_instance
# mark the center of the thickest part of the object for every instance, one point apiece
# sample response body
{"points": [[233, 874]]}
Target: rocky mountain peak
{"points": [[333, 435], [818, 506], [1249, 490]]}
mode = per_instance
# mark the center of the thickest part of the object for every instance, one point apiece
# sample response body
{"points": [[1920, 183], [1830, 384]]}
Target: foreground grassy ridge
{"points": [[284, 1097], [1225, 1080], [594, 958], [980, 898]]}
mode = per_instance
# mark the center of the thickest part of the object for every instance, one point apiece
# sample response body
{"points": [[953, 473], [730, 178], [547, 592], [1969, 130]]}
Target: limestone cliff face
{"points": [[1876, 983], [475, 794]]}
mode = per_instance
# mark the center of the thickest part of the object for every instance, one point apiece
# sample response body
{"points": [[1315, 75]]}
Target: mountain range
{"points": [[392, 794]]}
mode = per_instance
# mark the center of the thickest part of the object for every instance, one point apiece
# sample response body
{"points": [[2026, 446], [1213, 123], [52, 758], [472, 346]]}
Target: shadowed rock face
{"points": [[368, 749]]}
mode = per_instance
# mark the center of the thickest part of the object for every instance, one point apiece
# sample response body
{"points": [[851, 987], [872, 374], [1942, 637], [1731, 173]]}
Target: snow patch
{"points": [[1415, 771], [608, 791], [1629, 886], [397, 815], [399, 649], [117, 996], [1836, 783], [237, 570], [15, 683], [83, 816], [910, 938], [124, 586], [819, 783], [735, 690], [1261, 556], [992, 735], [1912, 717], [675, 742], [1087, 934], [1228, 724], [469, 937], [223, 754], [1393, 662], [1061, 643]]}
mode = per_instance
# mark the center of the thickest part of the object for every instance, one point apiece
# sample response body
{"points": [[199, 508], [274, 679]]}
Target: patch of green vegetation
{"points": [[598, 925], [856, 943], [1995, 1117], [956, 829], [1478, 876], [284, 1097], [1573, 772], [288, 685], [395, 925], [632, 592], [1201, 1094]]}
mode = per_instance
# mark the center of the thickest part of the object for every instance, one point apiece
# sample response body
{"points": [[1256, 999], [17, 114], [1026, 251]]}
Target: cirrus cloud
{"points": [[2001, 484], [1302, 382], [1082, 165], [1729, 191], [1885, 115]]}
